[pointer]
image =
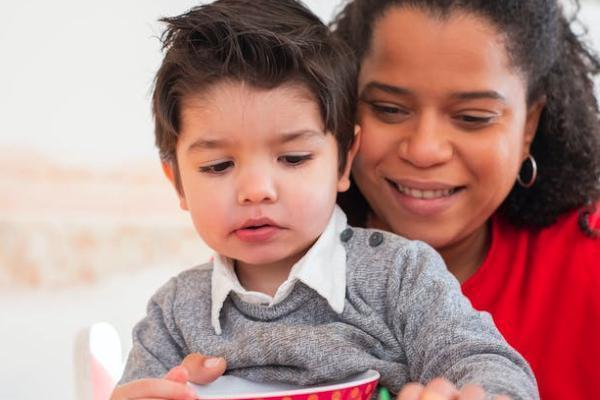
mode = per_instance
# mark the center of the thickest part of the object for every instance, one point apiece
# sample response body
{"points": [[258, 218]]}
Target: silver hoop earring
{"points": [[534, 171]]}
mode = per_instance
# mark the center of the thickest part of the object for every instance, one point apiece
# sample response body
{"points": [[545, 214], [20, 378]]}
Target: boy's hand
{"points": [[173, 386], [203, 369], [442, 389]]}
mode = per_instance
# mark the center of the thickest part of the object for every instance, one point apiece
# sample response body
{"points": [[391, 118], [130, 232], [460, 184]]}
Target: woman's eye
{"points": [[218, 168], [387, 109], [475, 120], [295, 159], [389, 113]]}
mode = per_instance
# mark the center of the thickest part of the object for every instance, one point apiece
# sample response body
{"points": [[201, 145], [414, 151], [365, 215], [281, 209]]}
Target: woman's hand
{"points": [[442, 389], [173, 386]]}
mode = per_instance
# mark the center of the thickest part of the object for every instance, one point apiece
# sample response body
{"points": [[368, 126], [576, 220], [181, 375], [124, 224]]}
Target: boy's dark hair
{"points": [[556, 64], [265, 43]]}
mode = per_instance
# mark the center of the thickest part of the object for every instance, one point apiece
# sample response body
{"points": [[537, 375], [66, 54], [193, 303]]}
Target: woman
{"points": [[480, 136]]}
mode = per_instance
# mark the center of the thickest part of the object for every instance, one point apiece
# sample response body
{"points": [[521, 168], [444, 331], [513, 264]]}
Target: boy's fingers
{"points": [[203, 369], [177, 374], [153, 389], [410, 391]]}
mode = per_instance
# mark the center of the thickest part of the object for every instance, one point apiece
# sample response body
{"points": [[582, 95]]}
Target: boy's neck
{"points": [[265, 278]]}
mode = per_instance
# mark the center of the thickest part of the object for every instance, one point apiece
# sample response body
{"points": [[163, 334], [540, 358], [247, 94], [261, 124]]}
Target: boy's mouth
{"points": [[257, 230], [257, 223]]}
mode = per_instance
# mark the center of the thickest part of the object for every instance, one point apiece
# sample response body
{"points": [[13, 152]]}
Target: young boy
{"points": [[253, 107]]}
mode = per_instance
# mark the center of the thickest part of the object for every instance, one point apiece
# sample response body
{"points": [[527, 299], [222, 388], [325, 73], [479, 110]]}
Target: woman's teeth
{"points": [[424, 194]]}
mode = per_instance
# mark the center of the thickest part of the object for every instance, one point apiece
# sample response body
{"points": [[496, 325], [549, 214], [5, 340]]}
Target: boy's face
{"points": [[258, 174]]}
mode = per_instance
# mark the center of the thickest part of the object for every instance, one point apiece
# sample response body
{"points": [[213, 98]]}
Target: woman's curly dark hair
{"points": [[556, 64]]}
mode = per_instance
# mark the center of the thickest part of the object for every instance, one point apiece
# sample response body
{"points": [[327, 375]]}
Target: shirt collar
{"points": [[322, 268]]}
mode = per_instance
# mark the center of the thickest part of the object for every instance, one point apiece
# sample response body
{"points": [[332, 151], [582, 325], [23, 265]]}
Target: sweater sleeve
{"points": [[444, 336], [156, 343]]}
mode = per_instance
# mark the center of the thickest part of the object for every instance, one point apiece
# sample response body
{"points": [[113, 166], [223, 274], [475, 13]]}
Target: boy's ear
{"points": [[170, 173], [344, 180]]}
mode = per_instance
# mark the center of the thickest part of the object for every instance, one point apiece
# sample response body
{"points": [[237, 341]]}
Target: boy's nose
{"points": [[256, 188]]}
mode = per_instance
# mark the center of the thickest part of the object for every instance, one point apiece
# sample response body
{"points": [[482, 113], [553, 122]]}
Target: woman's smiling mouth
{"points": [[424, 194], [424, 198], [425, 191]]}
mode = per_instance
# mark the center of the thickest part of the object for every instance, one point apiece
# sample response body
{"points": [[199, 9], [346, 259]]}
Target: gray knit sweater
{"points": [[404, 316]]}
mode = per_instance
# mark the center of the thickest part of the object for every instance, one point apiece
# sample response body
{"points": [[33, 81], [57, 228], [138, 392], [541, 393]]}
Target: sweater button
{"points": [[375, 239], [346, 234]]}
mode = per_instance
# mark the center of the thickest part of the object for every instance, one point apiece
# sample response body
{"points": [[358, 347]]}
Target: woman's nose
{"points": [[256, 186], [426, 144]]}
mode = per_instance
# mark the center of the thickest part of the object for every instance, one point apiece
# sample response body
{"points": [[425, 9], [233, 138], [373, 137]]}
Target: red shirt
{"points": [[543, 291]]}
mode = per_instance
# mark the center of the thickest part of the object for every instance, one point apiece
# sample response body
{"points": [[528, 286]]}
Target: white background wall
{"points": [[75, 78]]}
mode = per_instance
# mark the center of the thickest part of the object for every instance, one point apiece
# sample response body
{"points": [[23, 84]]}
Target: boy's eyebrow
{"points": [[284, 137], [287, 137], [201, 144], [401, 91]]}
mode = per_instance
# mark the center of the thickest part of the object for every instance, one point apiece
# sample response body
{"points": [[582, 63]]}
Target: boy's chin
{"points": [[280, 260], [263, 262]]}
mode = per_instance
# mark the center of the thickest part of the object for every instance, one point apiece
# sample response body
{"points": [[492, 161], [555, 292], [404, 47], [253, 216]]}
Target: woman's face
{"points": [[444, 124]]}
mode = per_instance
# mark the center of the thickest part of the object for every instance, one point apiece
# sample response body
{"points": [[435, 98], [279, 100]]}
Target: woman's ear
{"points": [[344, 180], [531, 124], [172, 175]]}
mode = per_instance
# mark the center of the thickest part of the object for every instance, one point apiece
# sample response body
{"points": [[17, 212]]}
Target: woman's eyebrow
{"points": [[384, 87], [481, 94], [402, 91]]}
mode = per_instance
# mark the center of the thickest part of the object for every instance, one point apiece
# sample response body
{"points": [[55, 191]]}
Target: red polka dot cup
{"points": [[357, 387]]}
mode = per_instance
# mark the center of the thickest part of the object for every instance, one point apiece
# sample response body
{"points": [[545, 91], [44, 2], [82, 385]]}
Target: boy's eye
{"points": [[294, 159], [218, 168]]}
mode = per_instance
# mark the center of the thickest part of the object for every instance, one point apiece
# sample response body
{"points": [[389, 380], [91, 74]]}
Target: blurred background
{"points": [[89, 228]]}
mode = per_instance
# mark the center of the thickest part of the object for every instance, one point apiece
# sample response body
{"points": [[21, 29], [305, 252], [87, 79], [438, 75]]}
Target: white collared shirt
{"points": [[322, 268]]}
